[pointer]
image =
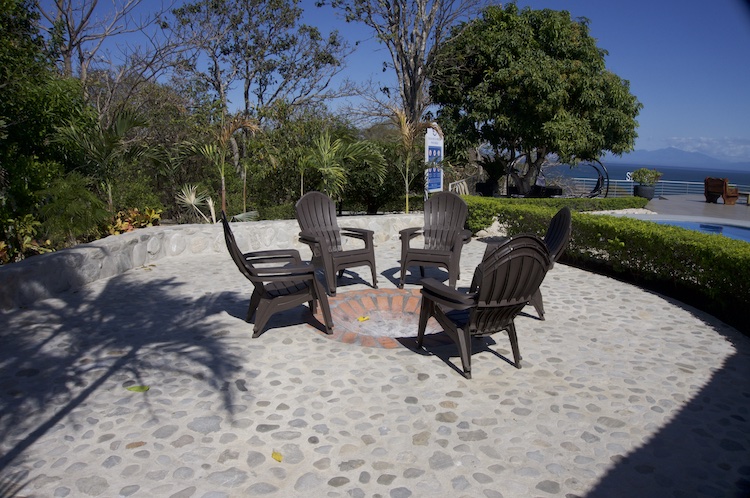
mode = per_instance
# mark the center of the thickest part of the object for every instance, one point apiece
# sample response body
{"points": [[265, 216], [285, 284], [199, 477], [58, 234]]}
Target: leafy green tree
{"points": [[530, 83], [33, 102], [364, 189], [106, 151], [260, 43], [274, 156]]}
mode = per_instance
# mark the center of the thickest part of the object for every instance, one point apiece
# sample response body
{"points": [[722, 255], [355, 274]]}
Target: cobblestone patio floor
{"points": [[622, 393]]}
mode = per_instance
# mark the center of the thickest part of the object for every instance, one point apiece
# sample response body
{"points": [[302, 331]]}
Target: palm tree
{"points": [[331, 159], [408, 131], [223, 144], [104, 149]]}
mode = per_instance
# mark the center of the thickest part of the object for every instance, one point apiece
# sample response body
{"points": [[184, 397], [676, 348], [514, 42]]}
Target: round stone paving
{"points": [[376, 317]]}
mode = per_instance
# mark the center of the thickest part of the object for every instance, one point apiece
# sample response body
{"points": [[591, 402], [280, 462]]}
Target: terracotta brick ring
{"points": [[376, 317]]}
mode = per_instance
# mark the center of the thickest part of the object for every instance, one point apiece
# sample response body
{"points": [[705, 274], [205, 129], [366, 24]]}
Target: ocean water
{"points": [[618, 171]]}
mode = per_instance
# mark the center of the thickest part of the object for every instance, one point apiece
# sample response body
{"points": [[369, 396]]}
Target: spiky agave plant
{"points": [[192, 200]]}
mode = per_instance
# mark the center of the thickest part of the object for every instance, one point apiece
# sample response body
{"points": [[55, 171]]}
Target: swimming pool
{"points": [[731, 231]]}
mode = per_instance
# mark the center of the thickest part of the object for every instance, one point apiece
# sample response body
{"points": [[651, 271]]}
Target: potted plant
{"points": [[645, 179]]}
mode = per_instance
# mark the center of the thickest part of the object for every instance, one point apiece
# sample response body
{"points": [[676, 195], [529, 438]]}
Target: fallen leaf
{"points": [[363, 318], [138, 389], [276, 456]]}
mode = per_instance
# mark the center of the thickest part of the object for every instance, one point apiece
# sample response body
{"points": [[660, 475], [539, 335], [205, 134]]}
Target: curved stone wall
{"points": [[44, 276]]}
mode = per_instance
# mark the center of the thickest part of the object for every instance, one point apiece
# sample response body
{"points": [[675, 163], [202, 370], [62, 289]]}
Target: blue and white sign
{"points": [[433, 179], [434, 148], [434, 151]]}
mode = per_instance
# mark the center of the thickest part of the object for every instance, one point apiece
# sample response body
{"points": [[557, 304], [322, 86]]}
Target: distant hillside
{"points": [[675, 157]]}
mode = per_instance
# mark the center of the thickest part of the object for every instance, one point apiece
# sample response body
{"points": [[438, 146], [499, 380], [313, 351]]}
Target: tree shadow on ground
{"points": [[57, 353], [703, 451]]}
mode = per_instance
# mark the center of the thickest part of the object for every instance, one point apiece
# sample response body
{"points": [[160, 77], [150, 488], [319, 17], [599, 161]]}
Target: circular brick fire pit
{"points": [[377, 317]]}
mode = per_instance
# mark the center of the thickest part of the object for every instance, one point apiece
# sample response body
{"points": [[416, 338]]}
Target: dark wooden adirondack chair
{"points": [[503, 284], [444, 237], [280, 279], [556, 239], [316, 215]]}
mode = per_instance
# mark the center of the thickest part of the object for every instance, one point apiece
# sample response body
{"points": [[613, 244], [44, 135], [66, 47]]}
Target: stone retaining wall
{"points": [[43, 276]]}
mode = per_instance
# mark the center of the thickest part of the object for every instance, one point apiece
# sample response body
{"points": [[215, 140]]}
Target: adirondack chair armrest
{"points": [[273, 256], [447, 296], [407, 234], [358, 233], [286, 273], [308, 237], [461, 237], [410, 233]]}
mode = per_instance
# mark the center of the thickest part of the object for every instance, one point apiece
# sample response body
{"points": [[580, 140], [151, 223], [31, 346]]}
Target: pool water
{"points": [[731, 231]]}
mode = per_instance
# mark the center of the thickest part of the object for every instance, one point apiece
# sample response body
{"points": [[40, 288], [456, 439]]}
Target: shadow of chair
{"points": [[556, 239], [713, 188], [444, 236], [503, 284], [281, 282], [316, 215]]}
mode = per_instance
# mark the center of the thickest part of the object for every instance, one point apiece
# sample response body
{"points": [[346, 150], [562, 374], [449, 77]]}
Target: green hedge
{"points": [[707, 271], [484, 210]]}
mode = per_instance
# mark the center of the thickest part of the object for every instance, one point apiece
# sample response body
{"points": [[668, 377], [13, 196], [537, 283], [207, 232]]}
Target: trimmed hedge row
{"points": [[707, 271]]}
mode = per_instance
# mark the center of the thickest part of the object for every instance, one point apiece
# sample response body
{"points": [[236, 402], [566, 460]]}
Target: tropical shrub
{"points": [[20, 239]]}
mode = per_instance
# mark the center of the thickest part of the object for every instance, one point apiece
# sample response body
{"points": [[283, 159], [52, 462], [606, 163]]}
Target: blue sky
{"points": [[687, 62]]}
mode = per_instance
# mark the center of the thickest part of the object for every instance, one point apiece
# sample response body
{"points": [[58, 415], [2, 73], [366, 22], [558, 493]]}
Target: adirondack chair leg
{"points": [[252, 308], [325, 308], [374, 277], [464, 347], [425, 312], [514, 344], [262, 315], [330, 277], [453, 276], [536, 301]]}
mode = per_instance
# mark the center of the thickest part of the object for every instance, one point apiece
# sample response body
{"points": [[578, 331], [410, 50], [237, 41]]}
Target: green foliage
{"points": [[105, 150], [70, 211], [130, 219], [33, 101], [279, 212], [531, 83], [19, 239], [645, 176], [334, 159]]}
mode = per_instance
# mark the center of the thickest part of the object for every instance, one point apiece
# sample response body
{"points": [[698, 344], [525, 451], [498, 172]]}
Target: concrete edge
{"points": [[46, 275]]}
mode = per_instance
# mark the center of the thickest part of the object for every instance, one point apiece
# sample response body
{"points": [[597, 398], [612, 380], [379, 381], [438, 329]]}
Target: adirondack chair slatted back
{"points": [[444, 214], [316, 213], [234, 250], [558, 234], [507, 280]]}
